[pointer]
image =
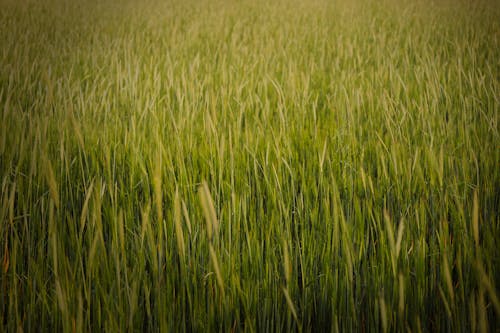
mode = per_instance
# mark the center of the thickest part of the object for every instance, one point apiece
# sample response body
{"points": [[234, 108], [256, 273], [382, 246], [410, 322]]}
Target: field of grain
{"points": [[237, 165]]}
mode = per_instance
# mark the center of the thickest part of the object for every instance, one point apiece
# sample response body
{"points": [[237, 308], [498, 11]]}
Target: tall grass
{"points": [[249, 165]]}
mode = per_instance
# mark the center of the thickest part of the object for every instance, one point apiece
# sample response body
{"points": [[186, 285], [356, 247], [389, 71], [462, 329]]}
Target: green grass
{"points": [[224, 165]]}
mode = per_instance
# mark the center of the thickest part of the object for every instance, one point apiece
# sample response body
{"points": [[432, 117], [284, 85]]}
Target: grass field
{"points": [[224, 165]]}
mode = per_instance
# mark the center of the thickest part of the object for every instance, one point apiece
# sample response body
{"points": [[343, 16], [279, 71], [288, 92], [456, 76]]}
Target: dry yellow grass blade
{"points": [[51, 181], [392, 243], [61, 297], [447, 278], [401, 306], [186, 217], [85, 206], [208, 210], [383, 313], [290, 305], [12, 197], [489, 286], [177, 224], [475, 219], [287, 267], [401, 229], [157, 189], [76, 128], [215, 264], [482, 312], [6, 260], [445, 301]]}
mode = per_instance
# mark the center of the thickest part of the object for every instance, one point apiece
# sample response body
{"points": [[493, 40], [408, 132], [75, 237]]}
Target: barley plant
{"points": [[238, 165]]}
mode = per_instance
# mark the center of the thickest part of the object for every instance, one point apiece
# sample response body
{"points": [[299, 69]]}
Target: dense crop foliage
{"points": [[228, 165]]}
